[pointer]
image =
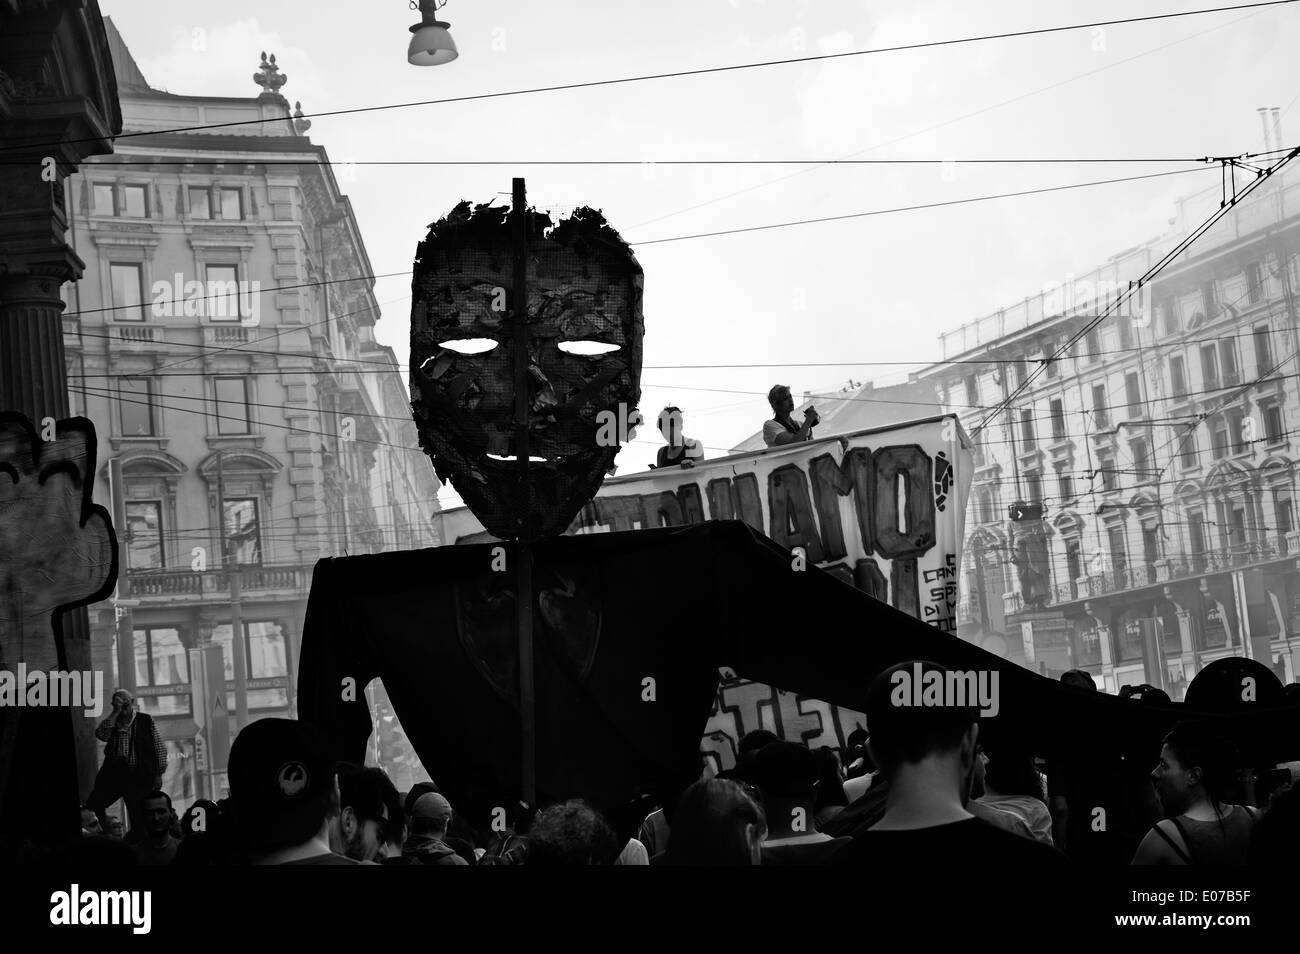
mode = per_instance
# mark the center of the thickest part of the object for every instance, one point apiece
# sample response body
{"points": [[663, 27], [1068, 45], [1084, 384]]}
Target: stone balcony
{"points": [[195, 586]]}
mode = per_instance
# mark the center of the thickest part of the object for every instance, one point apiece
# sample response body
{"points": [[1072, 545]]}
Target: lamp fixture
{"points": [[431, 44]]}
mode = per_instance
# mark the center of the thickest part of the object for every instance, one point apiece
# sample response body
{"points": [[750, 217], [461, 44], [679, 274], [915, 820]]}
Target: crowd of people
{"points": [[922, 784]]}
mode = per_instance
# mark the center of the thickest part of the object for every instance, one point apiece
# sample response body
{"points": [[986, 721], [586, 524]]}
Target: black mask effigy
{"points": [[584, 285]]}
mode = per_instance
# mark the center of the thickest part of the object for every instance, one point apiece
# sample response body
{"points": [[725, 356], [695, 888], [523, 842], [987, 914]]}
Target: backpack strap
{"points": [[1178, 849]]}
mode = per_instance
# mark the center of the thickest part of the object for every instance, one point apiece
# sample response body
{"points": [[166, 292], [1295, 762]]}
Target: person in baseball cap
{"points": [[283, 793], [428, 821]]}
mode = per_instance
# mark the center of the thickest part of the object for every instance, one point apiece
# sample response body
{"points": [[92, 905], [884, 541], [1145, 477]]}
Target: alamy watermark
{"points": [[54, 689], [215, 299], [77, 907], [950, 689], [1080, 296]]}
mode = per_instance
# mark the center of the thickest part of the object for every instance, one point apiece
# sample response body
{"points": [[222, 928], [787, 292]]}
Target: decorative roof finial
{"points": [[269, 76], [300, 123]]}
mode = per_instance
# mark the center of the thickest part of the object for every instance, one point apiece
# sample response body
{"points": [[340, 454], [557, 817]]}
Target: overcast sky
{"points": [[867, 289]]}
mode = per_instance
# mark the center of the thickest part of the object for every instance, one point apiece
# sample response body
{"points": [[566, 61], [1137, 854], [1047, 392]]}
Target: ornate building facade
{"points": [[1133, 510], [222, 341]]}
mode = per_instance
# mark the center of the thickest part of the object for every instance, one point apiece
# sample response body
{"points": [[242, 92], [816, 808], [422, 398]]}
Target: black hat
{"points": [[278, 766]]}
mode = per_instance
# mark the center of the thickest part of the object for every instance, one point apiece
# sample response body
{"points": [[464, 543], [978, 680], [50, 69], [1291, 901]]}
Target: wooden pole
{"points": [[524, 556]]}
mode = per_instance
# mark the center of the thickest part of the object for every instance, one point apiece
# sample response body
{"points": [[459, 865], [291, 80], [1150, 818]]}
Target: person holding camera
{"points": [[782, 428], [134, 760]]}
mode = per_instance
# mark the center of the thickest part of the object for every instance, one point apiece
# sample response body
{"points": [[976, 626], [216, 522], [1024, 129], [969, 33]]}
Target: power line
{"points": [[956, 119], [396, 367], [914, 208], [1149, 275], [1014, 160], [475, 97]]}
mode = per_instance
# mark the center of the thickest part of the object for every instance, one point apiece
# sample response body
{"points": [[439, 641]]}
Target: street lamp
{"points": [[431, 44]]}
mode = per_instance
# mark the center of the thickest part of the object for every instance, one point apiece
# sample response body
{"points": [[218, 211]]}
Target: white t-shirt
{"points": [[633, 853]]}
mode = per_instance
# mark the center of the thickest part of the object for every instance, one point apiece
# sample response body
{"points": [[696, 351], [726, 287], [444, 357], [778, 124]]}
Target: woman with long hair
{"points": [[1195, 773], [717, 822]]}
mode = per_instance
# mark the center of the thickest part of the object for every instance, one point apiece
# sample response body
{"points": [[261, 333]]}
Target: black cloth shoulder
{"points": [[973, 840]]}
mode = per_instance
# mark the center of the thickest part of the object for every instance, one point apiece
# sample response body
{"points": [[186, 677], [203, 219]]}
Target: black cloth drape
{"points": [[671, 605]]}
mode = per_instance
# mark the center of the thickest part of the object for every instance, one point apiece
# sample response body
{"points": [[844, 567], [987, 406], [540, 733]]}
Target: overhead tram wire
{"points": [[1167, 259], [952, 120], [916, 208], [1027, 160], [475, 97], [385, 366]]}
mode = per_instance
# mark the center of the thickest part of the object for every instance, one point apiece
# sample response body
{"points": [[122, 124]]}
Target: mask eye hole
{"points": [[469, 346], [588, 349]]}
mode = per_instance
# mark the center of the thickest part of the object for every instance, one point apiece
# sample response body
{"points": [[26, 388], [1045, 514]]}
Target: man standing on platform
{"points": [[782, 428], [134, 760]]}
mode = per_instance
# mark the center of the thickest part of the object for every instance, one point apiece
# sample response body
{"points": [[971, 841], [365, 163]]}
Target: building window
{"points": [[1034, 483], [128, 291], [1177, 375], [1236, 431], [1133, 391], [1167, 317], [1118, 557], [972, 391], [1073, 558], [233, 413], [1228, 362], [1058, 419], [161, 660], [1125, 334], [1027, 429], [200, 203], [1210, 366], [1284, 512], [1100, 415], [1106, 467], [1219, 436], [1093, 342], [1065, 481], [1196, 539], [144, 525], [135, 201], [1049, 364], [102, 195], [232, 203], [1273, 430], [1187, 449], [264, 658], [135, 401], [1150, 548], [1129, 646], [1263, 350], [1254, 283], [243, 530], [1210, 297], [1141, 459], [222, 293]]}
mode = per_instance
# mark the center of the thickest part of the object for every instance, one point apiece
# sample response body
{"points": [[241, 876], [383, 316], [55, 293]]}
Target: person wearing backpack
{"points": [[1193, 776]]}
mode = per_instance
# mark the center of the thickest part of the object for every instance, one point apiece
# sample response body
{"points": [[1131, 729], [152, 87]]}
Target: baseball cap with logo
{"points": [[280, 772]]}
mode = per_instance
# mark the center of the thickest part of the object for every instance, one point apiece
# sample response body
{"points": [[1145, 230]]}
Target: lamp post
{"points": [[431, 44]]}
